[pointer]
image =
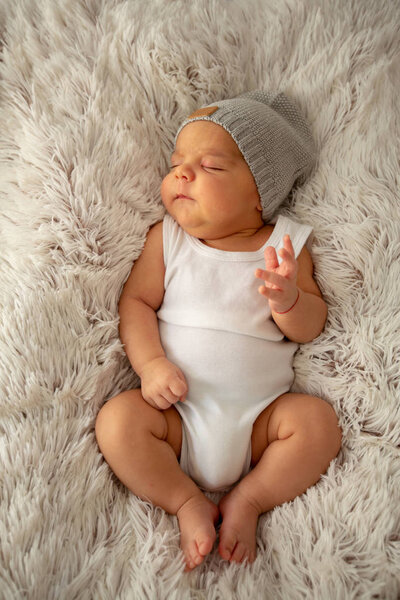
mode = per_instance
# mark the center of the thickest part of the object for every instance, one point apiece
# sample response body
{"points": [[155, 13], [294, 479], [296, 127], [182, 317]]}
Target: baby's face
{"points": [[210, 190]]}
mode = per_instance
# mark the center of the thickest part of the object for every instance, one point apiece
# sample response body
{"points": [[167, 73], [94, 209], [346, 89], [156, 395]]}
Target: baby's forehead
{"points": [[206, 137]]}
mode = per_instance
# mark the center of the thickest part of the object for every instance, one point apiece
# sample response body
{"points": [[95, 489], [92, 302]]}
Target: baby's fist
{"points": [[163, 383]]}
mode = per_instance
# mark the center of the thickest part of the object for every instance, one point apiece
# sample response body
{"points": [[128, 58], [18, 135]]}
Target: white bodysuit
{"points": [[217, 328]]}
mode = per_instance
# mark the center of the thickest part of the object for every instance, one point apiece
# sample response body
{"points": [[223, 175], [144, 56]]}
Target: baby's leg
{"points": [[293, 441], [141, 444]]}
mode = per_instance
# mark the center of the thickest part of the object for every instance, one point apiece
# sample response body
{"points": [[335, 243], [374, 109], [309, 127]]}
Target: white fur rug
{"points": [[92, 92]]}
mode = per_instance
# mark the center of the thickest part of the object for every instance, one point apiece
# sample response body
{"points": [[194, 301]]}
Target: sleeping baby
{"points": [[211, 316]]}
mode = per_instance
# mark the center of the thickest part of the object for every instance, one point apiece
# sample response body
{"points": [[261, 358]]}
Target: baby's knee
{"points": [[123, 417], [320, 425], [312, 420]]}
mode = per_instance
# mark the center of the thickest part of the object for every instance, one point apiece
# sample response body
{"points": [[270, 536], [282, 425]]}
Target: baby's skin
{"points": [[211, 194]]}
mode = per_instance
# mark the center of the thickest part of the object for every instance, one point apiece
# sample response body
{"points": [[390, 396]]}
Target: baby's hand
{"points": [[163, 383], [280, 279]]}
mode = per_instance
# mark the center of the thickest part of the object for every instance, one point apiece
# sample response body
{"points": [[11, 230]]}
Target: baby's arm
{"points": [[163, 383], [295, 299]]}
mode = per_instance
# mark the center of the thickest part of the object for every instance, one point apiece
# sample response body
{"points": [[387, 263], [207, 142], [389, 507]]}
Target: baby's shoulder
{"points": [[146, 279], [155, 235], [153, 247]]}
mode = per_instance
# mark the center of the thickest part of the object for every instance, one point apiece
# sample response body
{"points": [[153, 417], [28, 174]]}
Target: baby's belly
{"points": [[231, 379], [229, 368]]}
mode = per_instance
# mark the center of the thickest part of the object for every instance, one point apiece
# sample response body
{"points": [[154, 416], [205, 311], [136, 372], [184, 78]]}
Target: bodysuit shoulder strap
{"points": [[174, 239], [300, 234]]}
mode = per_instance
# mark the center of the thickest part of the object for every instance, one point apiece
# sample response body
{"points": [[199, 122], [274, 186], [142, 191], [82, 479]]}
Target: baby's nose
{"points": [[184, 172]]}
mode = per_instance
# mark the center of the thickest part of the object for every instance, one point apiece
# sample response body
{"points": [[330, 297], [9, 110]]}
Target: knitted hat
{"points": [[273, 137]]}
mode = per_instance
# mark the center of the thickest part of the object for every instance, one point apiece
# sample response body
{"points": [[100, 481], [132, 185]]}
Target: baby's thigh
{"points": [[128, 418], [301, 414]]}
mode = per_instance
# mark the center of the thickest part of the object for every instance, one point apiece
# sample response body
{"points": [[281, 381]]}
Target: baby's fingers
{"points": [[161, 402], [179, 388], [271, 259], [287, 243], [276, 281], [288, 266]]}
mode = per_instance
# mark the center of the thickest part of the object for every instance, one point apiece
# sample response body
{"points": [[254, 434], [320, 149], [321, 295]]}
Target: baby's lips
{"points": [[184, 196]]}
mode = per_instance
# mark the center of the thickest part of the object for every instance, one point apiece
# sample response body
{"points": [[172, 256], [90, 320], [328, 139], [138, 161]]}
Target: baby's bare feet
{"points": [[196, 521], [238, 530]]}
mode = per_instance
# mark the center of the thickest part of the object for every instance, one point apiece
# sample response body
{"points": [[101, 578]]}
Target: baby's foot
{"points": [[196, 519], [238, 530]]}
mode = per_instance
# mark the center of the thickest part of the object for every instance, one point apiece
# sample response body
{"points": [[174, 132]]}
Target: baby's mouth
{"points": [[182, 197]]}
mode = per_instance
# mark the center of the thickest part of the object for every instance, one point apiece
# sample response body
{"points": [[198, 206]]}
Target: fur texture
{"points": [[92, 92]]}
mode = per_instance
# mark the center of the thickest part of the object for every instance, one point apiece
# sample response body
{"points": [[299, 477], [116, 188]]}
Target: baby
{"points": [[213, 347]]}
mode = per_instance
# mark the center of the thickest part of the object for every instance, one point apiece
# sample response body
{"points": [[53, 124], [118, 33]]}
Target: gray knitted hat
{"points": [[273, 137]]}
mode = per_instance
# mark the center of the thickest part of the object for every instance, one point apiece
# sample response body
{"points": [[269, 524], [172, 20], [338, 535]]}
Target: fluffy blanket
{"points": [[92, 92]]}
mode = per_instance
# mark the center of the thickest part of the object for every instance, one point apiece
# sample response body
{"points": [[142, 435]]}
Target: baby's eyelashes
{"points": [[207, 167], [210, 168]]}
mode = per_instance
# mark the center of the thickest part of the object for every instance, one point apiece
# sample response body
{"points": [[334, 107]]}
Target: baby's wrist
{"points": [[140, 369], [284, 312]]}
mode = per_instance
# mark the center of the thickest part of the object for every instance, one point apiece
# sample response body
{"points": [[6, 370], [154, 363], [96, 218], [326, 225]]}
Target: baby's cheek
{"points": [[166, 187]]}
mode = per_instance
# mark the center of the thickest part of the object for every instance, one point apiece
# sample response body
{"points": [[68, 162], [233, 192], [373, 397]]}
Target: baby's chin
{"points": [[188, 221]]}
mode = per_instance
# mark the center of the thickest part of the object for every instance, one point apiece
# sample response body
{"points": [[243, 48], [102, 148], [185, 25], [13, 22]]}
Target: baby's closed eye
{"points": [[212, 168]]}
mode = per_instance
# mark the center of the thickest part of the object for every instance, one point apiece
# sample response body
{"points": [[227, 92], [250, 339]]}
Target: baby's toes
{"points": [[205, 545], [227, 545], [239, 553], [192, 556]]}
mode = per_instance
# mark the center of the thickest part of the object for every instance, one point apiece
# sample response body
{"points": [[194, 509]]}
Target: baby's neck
{"points": [[247, 240]]}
